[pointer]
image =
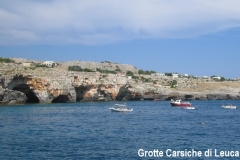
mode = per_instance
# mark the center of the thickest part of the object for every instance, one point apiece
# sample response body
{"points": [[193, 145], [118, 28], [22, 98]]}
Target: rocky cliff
{"points": [[58, 85]]}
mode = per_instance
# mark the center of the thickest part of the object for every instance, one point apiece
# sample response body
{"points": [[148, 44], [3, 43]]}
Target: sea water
{"points": [[91, 131]]}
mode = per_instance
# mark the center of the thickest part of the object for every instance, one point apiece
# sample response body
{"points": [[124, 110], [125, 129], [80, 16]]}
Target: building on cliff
{"points": [[49, 63], [29, 65]]}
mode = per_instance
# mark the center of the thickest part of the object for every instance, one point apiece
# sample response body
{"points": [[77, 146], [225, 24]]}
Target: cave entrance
{"points": [[61, 99], [31, 97], [188, 97]]}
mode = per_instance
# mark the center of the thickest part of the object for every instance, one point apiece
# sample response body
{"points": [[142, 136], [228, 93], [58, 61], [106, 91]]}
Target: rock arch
{"points": [[24, 88]]}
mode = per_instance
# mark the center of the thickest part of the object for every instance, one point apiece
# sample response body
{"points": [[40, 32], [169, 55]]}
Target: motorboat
{"points": [[229, 107], [121, 108], [179, 103]]}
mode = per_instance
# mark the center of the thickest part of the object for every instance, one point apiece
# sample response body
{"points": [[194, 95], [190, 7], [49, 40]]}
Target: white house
{"points": [[49, 63], [216, 78], [158, 74], [174, 75]]}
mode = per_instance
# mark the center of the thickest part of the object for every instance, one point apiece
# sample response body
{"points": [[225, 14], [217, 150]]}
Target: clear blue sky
{"points": [[195, 37]]}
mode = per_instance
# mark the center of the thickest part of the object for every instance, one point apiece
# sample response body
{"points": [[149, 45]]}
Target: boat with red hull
{"points": [[179, 103]]}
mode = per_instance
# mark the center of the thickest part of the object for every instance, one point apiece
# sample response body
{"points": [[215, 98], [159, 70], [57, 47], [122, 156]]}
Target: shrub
{"points": [[40, 65], [130, 73], [106, 71], [222, 79], [75, 68], [146, 72], [168, 74], [88, 70], [174, 83], [118, 70], [6, 60]]}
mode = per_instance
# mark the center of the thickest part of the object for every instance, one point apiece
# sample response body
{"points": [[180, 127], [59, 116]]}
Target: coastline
{"points": [[20, 85]]}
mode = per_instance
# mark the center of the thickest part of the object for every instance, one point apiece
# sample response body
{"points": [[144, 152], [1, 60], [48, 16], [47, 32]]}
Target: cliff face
{"points": [[56, 85]]}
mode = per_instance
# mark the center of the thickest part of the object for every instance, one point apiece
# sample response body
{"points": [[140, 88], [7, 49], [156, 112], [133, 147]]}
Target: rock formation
{"points": [[19, 84], [12, 97]]}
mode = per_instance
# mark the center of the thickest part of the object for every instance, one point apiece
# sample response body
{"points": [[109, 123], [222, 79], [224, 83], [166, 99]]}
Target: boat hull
{"points": [[180, 104], [120, 110], [229, 107], [189, 107]]}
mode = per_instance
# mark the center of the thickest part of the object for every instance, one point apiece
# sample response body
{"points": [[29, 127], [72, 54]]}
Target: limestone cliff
{"points": [[58, 85]]}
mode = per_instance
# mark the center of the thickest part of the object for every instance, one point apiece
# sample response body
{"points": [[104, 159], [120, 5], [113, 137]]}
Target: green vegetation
{"points": [[106, 71], [118, 70], [174, 84], [79, 69], [168, 74], [130, 73], [75, 68], [145, 79], [88, 70], [222, 79], [108, 62], [6, 60], [135, 77], [40, 65], [146, 72]]}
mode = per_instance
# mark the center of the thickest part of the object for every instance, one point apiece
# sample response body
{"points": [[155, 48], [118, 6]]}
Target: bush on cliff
{"points": [[146, 72], [118, 70], [130, 73], [147, 80], [41, 65], [174, 84], [106, 71], [75, 68], [79, 69], [88, 70], [6, 60]]}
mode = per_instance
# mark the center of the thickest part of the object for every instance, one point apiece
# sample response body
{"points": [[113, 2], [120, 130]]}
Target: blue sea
{"points": [[154, 130]]}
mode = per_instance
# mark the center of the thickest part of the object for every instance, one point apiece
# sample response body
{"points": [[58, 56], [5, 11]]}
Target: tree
{"points": [[222, 79], [6, 60], [152, 72], [75, 68], [174, 84], [141, 71], [168, 74], [130, 73]]}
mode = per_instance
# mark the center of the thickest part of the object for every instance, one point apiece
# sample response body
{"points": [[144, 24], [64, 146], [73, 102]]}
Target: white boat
{"points": [[120, 108], [229, 107]]}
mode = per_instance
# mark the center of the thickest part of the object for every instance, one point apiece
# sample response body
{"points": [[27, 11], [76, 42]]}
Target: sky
{"points": [[200, 37]]}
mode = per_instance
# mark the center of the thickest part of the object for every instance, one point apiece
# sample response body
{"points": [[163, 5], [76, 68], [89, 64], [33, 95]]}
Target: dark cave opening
{"points": [[31, 97], [61, 99]]}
